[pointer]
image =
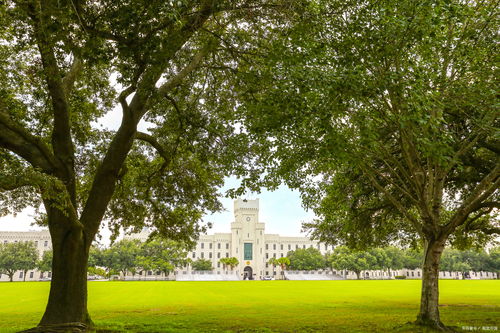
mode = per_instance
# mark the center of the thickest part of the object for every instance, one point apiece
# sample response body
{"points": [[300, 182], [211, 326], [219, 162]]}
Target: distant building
{"points": [[248, 242], [42, 241]]}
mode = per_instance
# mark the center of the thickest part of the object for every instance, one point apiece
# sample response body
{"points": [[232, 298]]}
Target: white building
{"points": [[41, 239], [248, 242]]}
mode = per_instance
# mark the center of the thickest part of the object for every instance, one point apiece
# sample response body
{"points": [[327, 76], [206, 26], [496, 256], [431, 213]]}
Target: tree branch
{"points": [[18, 140], [71, 76], [177, 79], [488, 185]]}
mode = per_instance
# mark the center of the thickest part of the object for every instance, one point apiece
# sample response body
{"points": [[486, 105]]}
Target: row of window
{"points": [[202, 245], [297, 246], [45, 243], [202, 255]]}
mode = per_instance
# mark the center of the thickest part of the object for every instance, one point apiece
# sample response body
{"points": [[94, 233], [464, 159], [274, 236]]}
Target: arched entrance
{"points": [[247, 273]]}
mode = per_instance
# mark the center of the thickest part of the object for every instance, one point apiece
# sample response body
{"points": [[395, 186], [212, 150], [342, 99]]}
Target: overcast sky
{"points": [[281, 210]]}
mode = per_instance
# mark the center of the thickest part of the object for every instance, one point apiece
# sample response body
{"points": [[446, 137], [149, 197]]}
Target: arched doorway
{"points": [[247, 273]]}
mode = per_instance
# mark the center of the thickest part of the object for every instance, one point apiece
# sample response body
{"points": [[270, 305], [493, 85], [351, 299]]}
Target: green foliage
{"points": [[45, 263], [305, 259], [413, 259], [162, 255], [230, 262], [342, 258], [202, 265], [384, 116], [122, 256], [464, 261], [20, 256]]}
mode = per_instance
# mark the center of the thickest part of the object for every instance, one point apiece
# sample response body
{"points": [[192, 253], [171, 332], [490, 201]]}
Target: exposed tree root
{"points": [[59, 328]]}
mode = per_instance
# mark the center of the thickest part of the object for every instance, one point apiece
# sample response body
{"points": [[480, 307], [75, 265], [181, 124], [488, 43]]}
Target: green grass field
{"points": [[259, 306]]}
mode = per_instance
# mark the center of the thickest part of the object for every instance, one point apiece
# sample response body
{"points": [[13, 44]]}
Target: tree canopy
{"points": [[165, 69], [305, 259], [384, 114], [18, 256]]}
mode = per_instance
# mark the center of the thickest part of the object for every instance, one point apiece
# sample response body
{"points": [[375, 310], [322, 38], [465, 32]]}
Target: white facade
{"points": [[42, 243], [247, 232]]}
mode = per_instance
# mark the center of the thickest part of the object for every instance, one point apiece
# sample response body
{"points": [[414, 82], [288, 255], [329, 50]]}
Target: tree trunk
{"points": [[11, 277], [24, 276], [358, 274], [429, 301], [67, 304]]}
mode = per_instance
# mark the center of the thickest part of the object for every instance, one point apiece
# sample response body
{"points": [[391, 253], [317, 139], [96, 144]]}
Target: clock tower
{"points": [[247, 238]]}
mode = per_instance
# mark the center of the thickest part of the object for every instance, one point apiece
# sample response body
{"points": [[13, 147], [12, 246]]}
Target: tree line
{"points": [[164, 256], [392, 258]]}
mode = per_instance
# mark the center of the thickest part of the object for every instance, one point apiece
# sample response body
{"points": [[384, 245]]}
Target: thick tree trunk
{"points": [[11, 277], [24, 276], [429, 301], [67, 304]]}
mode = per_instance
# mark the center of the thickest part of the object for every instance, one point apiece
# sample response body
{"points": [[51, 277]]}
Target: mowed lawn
{"points": [[259, 306]]}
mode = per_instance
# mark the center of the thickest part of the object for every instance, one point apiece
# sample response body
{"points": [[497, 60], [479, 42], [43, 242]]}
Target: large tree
{"points": [[308, 259], [66, 64], [163, 255], [19, 256], [385, 115]]}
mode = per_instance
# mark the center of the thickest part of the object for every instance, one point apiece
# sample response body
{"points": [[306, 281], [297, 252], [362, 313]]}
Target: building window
{"points": [[202, 245], [218, 246], [218, 255], [248, 251], [46, 243], [267, 255], [202, 255], [210, 246], [227, 254], [150, 273], [20, 275], [31, 275], [296, 246], [210, 255], [267, 246], [194, 255], [236, 231], [227, 246], [274, 255], [274, 246], [304, 246], [267, 265], [281, 246], [218, 265], [289, 247], [248, 235], [282, 255], [36, 243]]}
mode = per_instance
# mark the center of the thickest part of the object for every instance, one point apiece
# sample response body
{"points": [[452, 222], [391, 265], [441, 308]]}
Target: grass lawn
{"points": [[259, 306]]}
